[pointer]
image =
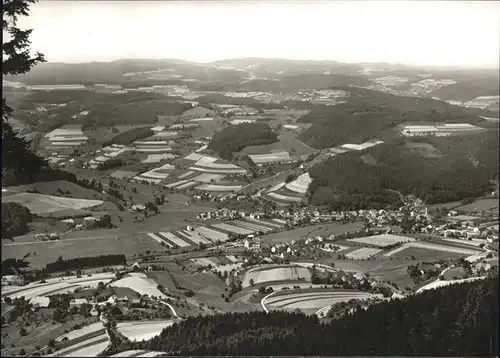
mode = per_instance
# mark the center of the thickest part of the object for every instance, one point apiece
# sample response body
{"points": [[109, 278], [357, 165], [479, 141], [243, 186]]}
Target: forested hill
{"points": [[434, 169], [459, 320]]}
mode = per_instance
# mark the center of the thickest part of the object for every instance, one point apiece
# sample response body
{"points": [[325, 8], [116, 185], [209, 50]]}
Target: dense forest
{"points": [[233, 139], [458, 320], [348, 182], [143, 112], [85, 262]]}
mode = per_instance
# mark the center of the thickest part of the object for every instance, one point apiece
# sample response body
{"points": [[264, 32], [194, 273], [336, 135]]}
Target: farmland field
{"points": [[311, 301], [479, 205], [56, 286], [363, 253], [211, 234], [87, 348], [122, 174], [422, 253], [218, 188], [441, 283], [77, 333], [436, 247], [43, 204], [382, 240], [308, 231], [43, 252], [232, 229], [275, 273], [300, 184], [138, 331]]}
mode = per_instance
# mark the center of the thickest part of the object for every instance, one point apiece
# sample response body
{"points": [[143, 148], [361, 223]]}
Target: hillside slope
{"points": [[459, 320]]}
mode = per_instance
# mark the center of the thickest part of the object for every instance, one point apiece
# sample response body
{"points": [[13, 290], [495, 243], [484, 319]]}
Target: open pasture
{"points": [[44, 252], [139, 331], [362, 254], [44, 204], [323, 230], [141, 284], [56, 286], [382, 240], [275, 273]]}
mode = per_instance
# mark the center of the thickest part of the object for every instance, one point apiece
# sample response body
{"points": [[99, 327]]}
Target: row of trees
{"points": [[85, 262]]}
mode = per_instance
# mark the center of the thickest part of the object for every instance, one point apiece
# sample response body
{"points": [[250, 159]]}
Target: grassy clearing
{"points": [[323, 230]]}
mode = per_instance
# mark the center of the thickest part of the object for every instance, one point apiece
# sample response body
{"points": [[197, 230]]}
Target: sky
{"points": [[448, 33]]}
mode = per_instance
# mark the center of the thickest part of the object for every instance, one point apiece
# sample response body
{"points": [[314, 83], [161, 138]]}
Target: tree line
{"points": [[85, 262]]}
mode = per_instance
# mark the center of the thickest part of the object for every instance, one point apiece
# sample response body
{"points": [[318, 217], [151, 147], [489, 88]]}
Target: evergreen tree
{"points": [[17, 157]]}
